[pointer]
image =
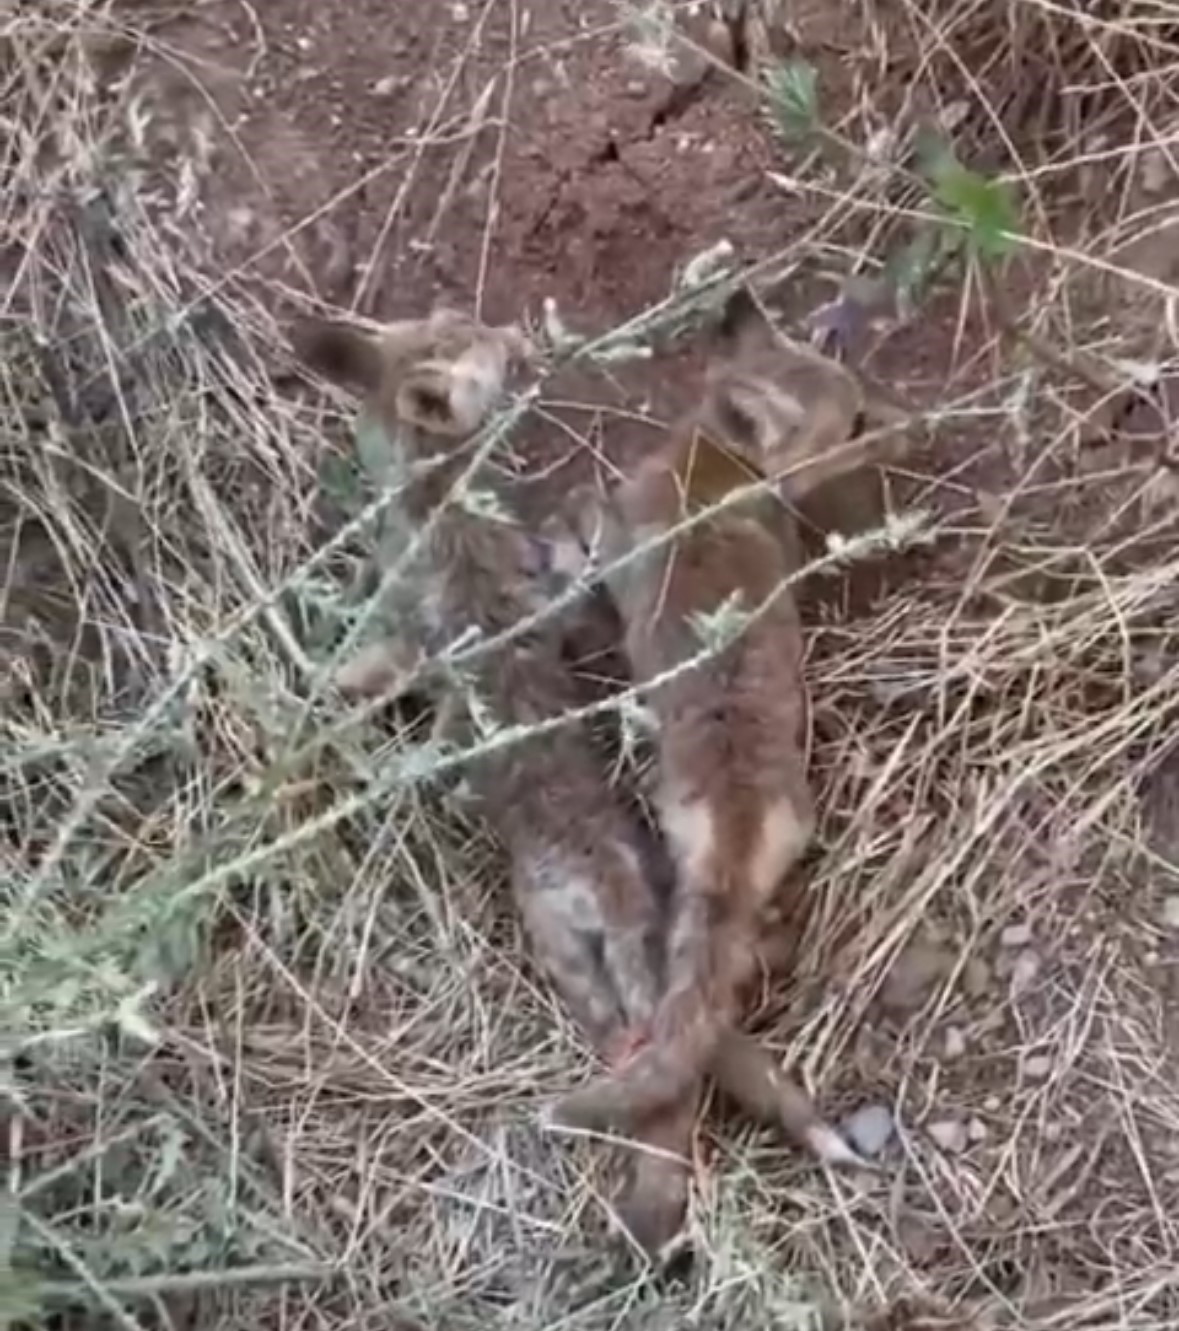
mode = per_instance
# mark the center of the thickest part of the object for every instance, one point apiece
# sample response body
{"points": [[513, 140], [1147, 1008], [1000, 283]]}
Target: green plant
{"points": [[793, 91], [970, 217]]}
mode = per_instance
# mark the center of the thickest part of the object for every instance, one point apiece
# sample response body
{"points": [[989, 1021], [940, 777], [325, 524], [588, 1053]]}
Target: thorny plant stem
{"points": [[189, 1282], [412, 769], [98, 779], [98, 1288], [643, 325], [463, 656]]}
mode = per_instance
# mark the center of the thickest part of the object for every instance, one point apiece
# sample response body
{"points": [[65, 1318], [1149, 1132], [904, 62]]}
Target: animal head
{"points": [[442, 375], [789, 411]]}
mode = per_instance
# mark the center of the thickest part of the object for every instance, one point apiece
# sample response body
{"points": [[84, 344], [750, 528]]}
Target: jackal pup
{"points": [[733, 797]]}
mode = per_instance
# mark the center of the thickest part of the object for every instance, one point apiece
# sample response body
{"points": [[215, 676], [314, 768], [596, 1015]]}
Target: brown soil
{"points": [[382, 155], [451, 152]]}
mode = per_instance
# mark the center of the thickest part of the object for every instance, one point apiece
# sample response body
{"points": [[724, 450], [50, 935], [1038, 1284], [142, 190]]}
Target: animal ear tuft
{"points": [[424, 400], [340, 352], [754, 414], [741, 312]]}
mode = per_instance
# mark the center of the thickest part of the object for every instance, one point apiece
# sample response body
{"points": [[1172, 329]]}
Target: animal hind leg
{"points": [[654, 1201], [746, 1073], [694, 1011], [571, 955]]}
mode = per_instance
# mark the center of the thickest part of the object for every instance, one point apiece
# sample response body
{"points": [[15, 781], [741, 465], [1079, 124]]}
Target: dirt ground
{"points": [[384, 158], [995, 963]]}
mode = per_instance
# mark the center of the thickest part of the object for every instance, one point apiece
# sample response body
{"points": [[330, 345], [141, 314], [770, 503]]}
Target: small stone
{"points": [[914, 973], [387, 86], [1016, 935], [976, 1130], [991, 1104], [1027, 967], [1170, 912], [955, 1042], [718, 40], [869, 1129], [1037, 1067], [1156, 172], [950, 1135]]}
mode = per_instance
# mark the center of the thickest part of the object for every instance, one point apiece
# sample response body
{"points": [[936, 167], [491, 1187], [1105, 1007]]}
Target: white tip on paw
{"points": [[553, 1118], [831, 1148]]}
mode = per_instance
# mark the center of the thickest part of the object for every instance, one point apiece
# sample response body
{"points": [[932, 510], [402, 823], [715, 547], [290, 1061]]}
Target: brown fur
{"points": [[431, 383], [734, 799], [578, 874], [802, 418]]}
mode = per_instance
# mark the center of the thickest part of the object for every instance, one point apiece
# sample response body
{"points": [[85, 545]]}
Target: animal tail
{"points": [[750, 1077], [708, 958]]}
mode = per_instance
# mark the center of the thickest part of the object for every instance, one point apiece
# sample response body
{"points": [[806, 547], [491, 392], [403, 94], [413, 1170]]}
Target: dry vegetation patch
{"points": [[271, 1051]]}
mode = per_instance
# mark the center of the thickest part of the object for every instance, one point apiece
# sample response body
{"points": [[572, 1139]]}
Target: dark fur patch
{"points": [[740, 311], [339, 352]]}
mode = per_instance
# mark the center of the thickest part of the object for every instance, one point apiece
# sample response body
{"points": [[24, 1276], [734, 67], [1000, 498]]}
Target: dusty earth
{"points": [[377, 157], [380, 158]]}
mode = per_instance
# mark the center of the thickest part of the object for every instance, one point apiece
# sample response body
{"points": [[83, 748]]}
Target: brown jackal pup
{"points": [[579, 881], [733, 794], [432, 383]]}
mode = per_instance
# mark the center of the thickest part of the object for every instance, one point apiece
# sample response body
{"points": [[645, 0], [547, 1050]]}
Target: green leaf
{"points": [[986, 209], [20, 1296], [794, 99]]}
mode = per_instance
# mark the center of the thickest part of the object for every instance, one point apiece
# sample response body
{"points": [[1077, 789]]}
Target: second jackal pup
{"points": [[733, 796]]}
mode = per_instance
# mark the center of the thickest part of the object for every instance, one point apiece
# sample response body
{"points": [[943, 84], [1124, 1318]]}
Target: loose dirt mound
{"points": [[277, 1049]]}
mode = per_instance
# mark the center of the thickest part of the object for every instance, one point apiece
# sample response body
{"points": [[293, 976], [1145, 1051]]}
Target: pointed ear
{"points": [[425, 399], [340, 352], [754, 414], [741, 313], [454, 397], [477, 380]]}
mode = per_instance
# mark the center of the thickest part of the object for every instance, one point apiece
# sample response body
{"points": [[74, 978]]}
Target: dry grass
{"points": [[271, 1050]]}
